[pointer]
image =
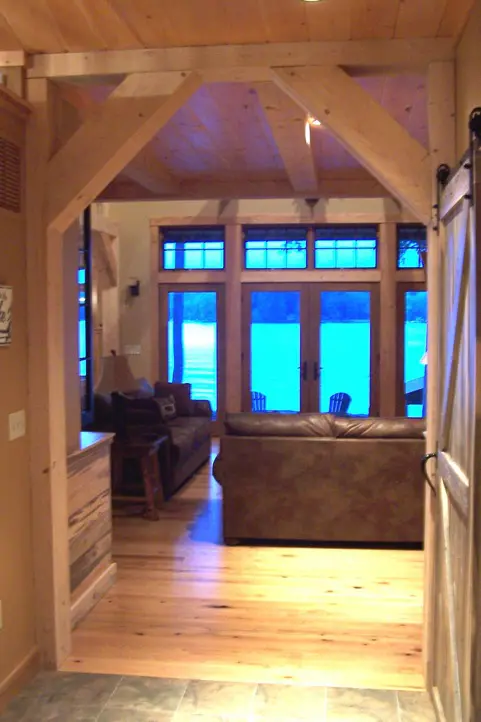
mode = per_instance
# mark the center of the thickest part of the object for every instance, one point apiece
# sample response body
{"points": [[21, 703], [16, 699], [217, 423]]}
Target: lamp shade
{"points": [[115, 375]]}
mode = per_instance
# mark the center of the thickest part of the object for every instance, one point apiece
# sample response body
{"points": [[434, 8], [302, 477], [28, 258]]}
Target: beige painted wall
{"points": [[133, 221], [468, 76], [17, 638]]}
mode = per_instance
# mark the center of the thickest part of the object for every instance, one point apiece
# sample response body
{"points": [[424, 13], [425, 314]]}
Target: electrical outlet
{"points": [[16, 425]]}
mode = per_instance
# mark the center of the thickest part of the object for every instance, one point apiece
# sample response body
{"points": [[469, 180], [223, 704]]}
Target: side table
{"points": [[144, 448]]}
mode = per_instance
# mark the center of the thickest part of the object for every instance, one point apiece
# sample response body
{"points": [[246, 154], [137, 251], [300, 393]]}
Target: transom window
{"points": [[192, 248], [411, 246], [276, 247], [345, 247]]}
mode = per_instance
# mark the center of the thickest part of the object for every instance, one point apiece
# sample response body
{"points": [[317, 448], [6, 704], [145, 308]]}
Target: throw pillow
{"points": [[180, 392], [167, 408]]}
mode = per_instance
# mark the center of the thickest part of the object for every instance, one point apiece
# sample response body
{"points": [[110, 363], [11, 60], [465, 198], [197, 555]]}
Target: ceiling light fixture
{"points": [[314, 121]]}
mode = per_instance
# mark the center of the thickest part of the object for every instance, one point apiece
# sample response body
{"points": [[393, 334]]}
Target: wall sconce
{"points": [[134, 288]]}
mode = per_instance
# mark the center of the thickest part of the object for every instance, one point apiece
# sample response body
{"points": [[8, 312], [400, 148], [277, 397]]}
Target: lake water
{"points": [[276, 358]]}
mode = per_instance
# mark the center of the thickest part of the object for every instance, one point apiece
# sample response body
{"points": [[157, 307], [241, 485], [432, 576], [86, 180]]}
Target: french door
{"points": [[192, 340], [310, 347]]}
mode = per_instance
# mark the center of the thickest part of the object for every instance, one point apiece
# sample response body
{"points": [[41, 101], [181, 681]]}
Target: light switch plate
{"points": [[16, 425]]}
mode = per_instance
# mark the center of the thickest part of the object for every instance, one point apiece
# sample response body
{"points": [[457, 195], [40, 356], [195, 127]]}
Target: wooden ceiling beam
{"points": [[12, 59], [123, 189], [145, 169], [287, 121], [107, 142], [367, 130], [384, 54]]}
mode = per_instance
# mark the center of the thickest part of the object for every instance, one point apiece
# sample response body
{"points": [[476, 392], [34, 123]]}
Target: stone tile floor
{"points": [[62, 697]]}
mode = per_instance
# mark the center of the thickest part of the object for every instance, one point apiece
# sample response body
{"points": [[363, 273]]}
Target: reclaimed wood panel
{"points": [[89, 511]]}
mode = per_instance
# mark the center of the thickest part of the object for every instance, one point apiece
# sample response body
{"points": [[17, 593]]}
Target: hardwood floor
{"points": [[184, 606]]}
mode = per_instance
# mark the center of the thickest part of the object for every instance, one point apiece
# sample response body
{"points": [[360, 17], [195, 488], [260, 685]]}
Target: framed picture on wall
{"points": [[5, 315]]}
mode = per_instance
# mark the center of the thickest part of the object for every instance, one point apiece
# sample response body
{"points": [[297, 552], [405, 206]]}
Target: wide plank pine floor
{"points": [[185, 606]]}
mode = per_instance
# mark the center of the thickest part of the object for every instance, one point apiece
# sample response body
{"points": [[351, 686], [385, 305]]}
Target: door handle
{"points": [[424, 462], [316, 371]]}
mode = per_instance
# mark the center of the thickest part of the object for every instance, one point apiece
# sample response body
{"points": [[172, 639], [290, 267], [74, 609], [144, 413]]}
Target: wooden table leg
{"points": [[148, 476], [159, 493]]}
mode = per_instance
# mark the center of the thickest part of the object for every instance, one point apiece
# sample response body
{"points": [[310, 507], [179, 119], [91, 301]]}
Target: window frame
{"points": [[344, 227], [400, 227], [404, 287], [164, 230], [272, 228]]}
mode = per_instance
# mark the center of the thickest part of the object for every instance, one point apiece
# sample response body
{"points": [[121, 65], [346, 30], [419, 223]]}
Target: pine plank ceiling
{"points": [[54, 26], [222, 142]]}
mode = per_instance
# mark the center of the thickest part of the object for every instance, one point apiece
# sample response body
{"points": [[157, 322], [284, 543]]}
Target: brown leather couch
{"points": [[189, 432], [318, 477]]}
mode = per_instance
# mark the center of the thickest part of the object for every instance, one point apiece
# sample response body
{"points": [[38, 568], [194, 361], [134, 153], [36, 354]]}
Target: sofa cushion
{"points": [[181, 394], [247, 424], [187, 435], [378, 428]]}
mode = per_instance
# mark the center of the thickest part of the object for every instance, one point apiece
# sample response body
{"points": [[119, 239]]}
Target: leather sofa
{"points": [[189, 432], [321, 478]]}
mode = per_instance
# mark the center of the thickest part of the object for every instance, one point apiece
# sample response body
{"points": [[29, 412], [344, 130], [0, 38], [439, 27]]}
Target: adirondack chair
{"points": [[339, 403], [258, 401]]}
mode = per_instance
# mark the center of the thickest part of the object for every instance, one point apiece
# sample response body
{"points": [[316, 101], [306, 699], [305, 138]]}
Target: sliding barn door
{"points": [[455, 600]]}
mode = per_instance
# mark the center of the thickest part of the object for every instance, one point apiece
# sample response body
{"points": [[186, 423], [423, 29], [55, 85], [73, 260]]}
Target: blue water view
{"points": [[276, 360]]}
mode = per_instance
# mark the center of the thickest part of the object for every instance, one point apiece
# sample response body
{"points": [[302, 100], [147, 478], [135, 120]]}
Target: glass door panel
{"points": [[345, 352], [415, 330], [274, 342], [192, 342]]}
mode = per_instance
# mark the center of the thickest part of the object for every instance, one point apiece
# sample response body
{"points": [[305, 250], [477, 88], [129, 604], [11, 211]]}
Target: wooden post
{"points": [[441, 120], [233, 307], [388, 354], [46, 410]]}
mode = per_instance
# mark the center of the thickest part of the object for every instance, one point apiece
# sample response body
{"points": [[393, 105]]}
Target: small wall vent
{"points": [[10, 176]]}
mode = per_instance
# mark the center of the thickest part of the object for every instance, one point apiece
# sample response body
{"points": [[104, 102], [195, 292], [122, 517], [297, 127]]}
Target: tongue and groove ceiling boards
{"points": [[56, 26], [247, 138]]}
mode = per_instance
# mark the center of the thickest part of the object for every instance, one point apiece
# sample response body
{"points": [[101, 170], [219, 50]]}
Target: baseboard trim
{"points": [[86, 597], [19, 677]]}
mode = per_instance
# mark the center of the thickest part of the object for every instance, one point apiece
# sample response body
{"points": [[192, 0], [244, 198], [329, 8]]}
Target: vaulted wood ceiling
{"points": [[249, 139], [54, 26]]}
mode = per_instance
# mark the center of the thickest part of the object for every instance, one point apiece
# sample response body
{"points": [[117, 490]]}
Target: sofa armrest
{"points": [[202, 408]]}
